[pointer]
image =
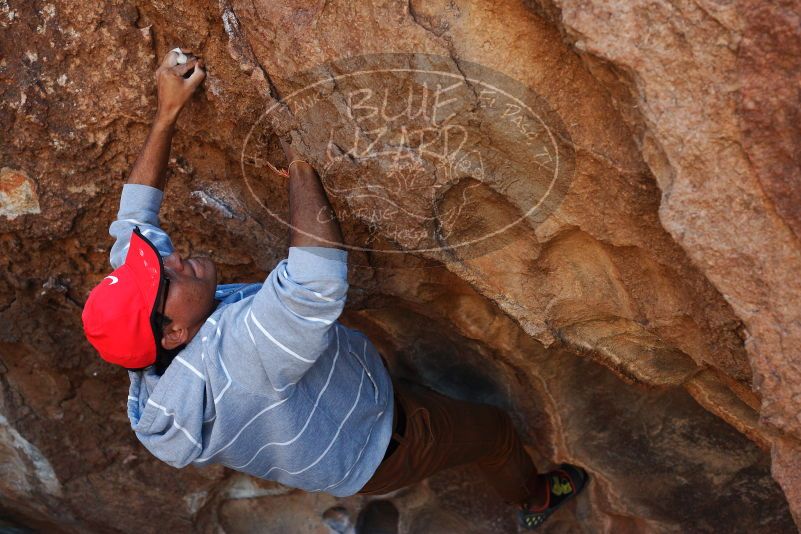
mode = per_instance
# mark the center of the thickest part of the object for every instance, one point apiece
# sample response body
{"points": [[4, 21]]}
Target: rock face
{"points": [[584, 211]]}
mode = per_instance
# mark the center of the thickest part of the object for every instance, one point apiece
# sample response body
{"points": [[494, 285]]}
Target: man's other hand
{"points": [[174, 90]]}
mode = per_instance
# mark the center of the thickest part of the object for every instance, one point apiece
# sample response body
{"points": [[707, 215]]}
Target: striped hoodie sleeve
{"points": [[291, 317], [139, 206], [168, 423]]}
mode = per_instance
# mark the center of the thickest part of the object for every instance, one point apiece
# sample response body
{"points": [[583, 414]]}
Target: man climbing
{"points": [[262, 378]]}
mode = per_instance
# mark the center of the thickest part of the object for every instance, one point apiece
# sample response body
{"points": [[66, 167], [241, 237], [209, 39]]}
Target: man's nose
{"points": [[174, 262]]}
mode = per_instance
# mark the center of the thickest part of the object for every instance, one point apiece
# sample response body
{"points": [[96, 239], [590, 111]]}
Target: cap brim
{"points": [[145, 261]]}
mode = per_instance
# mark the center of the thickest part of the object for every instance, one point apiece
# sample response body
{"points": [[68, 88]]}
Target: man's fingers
{"points": [[171, 59], [186, 67], [197, 77]]}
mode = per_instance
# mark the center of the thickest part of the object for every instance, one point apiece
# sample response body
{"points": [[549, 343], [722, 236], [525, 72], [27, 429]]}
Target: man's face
{"points": [[190, 298]]}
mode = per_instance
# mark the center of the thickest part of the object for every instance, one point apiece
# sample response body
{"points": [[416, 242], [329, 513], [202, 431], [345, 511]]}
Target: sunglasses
{"points": [[166, 280], [163, 356]]}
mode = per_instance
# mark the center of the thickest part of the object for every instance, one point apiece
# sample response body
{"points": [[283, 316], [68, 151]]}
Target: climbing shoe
{"points": [[562, 484]]}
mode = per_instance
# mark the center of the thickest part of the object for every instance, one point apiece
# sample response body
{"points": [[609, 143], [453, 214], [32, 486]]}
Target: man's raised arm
{"points": [[313, 221], [142, 194], [173, 93], [291, 319]]}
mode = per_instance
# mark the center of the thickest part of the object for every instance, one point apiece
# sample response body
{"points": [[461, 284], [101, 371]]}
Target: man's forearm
{"points": [[314, 223], [151, 165]]}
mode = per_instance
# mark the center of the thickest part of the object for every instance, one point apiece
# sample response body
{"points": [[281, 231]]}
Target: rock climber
{"points": [[262, 378]]}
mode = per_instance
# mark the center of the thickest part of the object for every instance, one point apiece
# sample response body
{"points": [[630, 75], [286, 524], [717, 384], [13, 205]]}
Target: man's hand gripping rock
{"points": [[174, 86]]}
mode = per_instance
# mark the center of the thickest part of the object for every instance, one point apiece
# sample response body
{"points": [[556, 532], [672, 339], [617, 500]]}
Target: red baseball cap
{"points": [[119, 317]]}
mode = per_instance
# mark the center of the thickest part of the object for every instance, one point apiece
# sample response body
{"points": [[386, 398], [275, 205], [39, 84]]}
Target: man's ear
{"points": [[174, 337]]}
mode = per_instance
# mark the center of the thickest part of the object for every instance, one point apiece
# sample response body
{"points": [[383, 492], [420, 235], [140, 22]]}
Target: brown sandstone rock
{"points": [[712, 83]]}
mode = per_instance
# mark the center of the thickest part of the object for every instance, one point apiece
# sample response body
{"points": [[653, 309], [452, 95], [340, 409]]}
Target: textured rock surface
{"points": [[644, 321]]}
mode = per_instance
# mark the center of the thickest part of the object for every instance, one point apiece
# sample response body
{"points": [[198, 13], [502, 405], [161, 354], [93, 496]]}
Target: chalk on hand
{"points": [[181, 56]]}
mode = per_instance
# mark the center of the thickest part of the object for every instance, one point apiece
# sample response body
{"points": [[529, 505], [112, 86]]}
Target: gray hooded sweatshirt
{"points": [[272, 385]]}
